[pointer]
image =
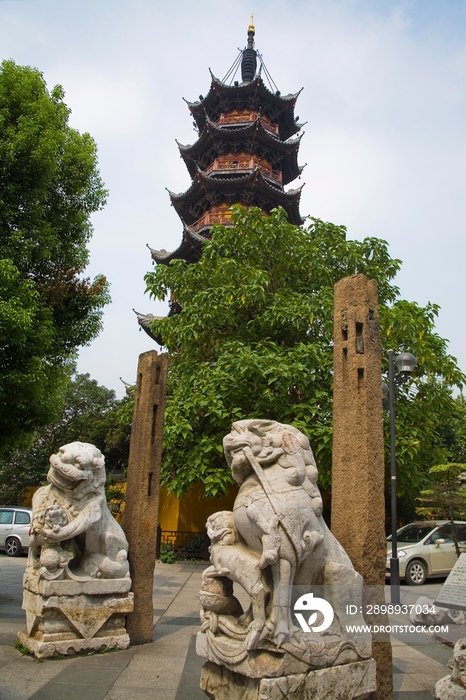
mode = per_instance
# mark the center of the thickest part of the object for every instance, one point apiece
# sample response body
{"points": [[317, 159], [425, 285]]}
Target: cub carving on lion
{"points": [[74, 534]]}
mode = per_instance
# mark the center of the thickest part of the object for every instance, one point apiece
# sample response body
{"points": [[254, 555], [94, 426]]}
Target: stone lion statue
{"points": [[74, 535], [274, 539]]}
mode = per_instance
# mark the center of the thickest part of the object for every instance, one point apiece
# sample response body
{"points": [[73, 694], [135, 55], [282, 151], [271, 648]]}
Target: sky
{"points": [[384, 102]]}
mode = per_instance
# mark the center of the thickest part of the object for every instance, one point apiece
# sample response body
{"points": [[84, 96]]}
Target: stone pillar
{"points": [[358, 504], [142, 489]]}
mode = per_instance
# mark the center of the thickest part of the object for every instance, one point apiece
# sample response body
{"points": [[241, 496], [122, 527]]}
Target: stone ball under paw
{"points": [[50, 557]]}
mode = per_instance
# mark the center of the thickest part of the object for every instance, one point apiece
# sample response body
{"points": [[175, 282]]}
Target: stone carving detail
{"points": [[76, 583], [453, 687], [276, 546]]}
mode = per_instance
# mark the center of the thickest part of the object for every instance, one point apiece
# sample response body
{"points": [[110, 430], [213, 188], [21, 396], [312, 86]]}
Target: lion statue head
{"points": [[77, 468], [270, 442]]}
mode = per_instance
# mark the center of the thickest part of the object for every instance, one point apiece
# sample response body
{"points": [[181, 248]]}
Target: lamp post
{"points": [[405, 363]]}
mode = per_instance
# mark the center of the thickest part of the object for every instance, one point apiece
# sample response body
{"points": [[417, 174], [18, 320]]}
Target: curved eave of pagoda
{"points": [[290, 168], [233, 133], [256, 89], [144, 320], [256, 131], [251, 189], [190, 249]]}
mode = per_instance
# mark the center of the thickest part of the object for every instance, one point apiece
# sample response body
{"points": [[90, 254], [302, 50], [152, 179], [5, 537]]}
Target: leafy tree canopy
{"points": [[445, 499], [451, 434], [255, 337], [91, 413], [49, 187]]}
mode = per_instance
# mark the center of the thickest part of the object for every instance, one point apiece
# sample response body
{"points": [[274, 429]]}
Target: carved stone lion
{"points": [[275, 538], [74, 535]]}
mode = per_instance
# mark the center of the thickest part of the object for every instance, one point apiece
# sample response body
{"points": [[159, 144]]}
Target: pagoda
{"points": [[246, 152]]}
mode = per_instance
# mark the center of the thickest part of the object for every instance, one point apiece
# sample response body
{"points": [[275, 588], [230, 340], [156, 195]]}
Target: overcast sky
{"points": [[385, 141]]}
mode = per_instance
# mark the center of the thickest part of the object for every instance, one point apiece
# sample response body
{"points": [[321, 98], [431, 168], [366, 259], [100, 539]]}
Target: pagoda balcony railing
{"points": [[246, 117], [211, 218], [216, 216], [220, 165]]}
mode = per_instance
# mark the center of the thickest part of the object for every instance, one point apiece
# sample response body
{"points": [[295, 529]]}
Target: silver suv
{"points": [[15, 523]]}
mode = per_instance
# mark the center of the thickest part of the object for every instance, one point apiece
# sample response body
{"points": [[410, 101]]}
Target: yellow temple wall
{"points": [[190, 512], [26, 496]]}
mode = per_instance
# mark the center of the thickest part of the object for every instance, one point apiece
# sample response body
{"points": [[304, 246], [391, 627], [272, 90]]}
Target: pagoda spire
{"points": [[249, 60]]}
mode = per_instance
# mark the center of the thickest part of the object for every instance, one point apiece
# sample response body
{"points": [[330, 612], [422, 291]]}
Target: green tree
{"points": [[91, 413], [425, 407], [255, 337], [49, 187], [445, 499], [451, 434]]}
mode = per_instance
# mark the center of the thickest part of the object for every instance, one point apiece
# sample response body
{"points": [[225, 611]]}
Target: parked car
{"points": [[15, 523], [426, 549]]}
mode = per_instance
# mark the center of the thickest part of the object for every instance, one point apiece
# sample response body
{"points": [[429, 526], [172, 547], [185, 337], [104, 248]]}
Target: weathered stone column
{"points": [[358, 505], [142, 489]]}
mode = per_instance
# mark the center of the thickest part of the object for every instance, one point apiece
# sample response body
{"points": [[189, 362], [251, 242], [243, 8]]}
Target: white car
{"points": [[15, 523], [426, 549]]}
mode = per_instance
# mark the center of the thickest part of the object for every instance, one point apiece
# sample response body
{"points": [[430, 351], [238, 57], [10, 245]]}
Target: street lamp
{"points": [[405, 363]]}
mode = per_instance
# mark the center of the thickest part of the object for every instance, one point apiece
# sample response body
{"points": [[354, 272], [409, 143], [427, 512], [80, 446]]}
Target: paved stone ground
{"points": [[168, 668]]}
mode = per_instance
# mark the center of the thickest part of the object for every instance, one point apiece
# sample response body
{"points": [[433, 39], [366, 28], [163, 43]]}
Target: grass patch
{"points": [[21, 648]]}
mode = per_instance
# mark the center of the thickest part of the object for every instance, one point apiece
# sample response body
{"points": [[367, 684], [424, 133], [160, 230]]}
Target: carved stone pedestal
{"points": [[343, 682], [68, 617], [321, 668]]}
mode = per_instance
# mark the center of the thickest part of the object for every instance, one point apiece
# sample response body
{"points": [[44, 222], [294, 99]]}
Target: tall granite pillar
{"points": [[142, 489], [358, 506]]}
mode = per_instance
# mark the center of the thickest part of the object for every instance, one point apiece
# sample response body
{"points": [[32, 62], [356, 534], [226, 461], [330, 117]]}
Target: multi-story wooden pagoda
{"points": [[245, 154]]}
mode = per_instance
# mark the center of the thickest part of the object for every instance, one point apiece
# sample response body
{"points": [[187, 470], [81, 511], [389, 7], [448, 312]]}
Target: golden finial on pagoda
{"points": [[251, 25]]}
